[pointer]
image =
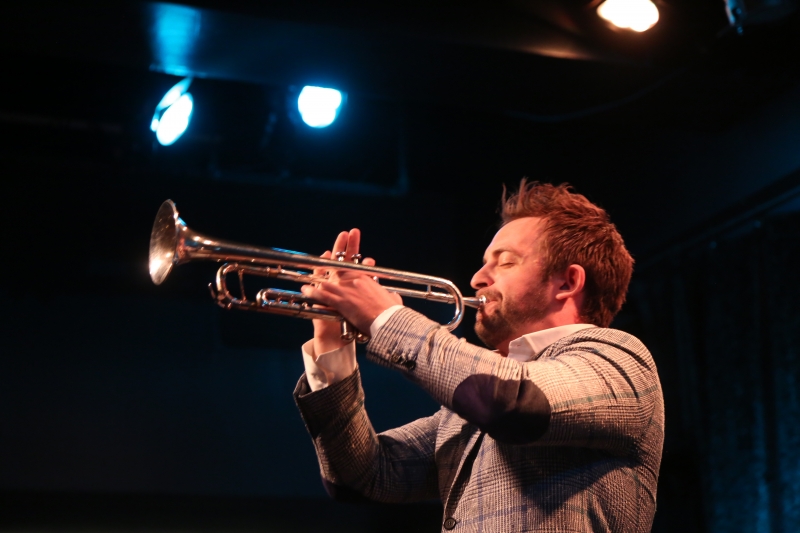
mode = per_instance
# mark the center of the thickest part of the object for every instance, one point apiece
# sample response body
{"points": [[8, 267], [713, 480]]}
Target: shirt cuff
{"points": [[382, 318], [330, 367]]}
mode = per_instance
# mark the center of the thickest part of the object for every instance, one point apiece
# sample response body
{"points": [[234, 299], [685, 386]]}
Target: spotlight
{"points": [[319, 106], [173, 113], [636, 15]]}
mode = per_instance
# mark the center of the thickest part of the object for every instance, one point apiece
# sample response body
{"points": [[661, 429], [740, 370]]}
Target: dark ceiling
{"points": [[507, 57], [689, 112]]}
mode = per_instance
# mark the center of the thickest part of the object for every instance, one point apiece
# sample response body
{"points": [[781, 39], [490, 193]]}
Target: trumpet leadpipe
{"points": [[436, 296]]}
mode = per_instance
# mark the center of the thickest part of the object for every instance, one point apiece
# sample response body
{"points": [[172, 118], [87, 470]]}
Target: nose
{"points": [[481, 278]]}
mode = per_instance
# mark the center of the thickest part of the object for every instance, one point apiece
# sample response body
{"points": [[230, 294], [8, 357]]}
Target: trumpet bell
{"points": [[164, 242]]}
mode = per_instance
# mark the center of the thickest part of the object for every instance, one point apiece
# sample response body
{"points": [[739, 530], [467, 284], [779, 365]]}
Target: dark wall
{"points": [[111, 383]]}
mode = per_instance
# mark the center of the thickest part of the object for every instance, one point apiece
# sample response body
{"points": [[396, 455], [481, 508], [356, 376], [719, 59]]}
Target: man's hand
{"points": [[327, 333], [358, 297]]}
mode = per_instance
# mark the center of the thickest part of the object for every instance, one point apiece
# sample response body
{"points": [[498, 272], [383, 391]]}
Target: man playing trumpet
{"points": [[560, 428]]}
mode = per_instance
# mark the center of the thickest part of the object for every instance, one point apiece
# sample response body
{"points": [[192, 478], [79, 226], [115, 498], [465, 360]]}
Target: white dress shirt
{"points": [[331, 367]]}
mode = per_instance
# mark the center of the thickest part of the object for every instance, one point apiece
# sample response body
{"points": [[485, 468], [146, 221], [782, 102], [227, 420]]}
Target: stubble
{"points": [[509, 316]]}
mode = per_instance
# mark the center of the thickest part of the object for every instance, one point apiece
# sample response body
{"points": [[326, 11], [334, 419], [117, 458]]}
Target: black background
{"points": [[126, 405]]}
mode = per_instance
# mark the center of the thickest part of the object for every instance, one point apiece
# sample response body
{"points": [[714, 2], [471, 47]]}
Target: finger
{"points": [[348, 277], [317, 294], [370, 262], [324, 292], [340, 245], [307, 289], [398, 300], [353, 243]]}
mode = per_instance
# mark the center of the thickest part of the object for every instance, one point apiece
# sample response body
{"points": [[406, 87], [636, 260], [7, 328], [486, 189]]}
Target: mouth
{"points": [[486, 305]]}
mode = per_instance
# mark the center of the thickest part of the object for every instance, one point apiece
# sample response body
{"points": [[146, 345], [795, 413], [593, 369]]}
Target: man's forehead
{"points": [[522, 234]]}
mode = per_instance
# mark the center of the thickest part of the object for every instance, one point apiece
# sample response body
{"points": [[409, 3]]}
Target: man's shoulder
{"points": [[622, 350], [599, 336]]}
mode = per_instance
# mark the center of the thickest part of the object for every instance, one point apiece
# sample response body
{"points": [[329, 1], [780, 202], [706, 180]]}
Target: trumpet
{"points": [[172, 243]]}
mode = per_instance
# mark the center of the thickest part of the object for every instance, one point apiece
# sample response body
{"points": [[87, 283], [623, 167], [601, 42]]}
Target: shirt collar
{"points": [[527, 347]]}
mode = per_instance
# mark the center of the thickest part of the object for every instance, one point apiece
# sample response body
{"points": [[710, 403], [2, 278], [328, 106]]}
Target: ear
{"points": [[572, 282]]}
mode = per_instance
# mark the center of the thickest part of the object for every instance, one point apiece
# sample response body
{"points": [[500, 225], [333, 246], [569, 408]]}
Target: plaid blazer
{"points": [[568, 442]]}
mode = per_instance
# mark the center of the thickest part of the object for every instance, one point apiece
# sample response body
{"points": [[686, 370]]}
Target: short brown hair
{"points": [[577, 232]]}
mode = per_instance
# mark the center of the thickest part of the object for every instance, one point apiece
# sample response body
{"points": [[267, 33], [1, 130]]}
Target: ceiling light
{"points": [[636, 15], [319, 106], [173, 113]]}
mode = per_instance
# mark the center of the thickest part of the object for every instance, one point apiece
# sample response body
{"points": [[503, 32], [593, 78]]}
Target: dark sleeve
{"points": [[355, 462]]}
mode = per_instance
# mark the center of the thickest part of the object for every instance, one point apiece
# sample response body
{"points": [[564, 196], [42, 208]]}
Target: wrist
{"points": [[327, 336]]}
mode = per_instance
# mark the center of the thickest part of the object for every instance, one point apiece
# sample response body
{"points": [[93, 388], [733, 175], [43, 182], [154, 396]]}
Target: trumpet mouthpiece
{"points": [[475, 302]]}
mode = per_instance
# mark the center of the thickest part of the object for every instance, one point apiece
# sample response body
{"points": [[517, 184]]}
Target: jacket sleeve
{"points": [[356, 463], [599, 392]]}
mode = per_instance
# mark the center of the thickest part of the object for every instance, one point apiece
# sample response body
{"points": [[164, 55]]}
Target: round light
{"points": [[636, 15], [319, 106], [173, 113], [174, 121]]}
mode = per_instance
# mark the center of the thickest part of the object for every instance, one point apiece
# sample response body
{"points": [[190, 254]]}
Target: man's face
{"points": [[511, 280]]}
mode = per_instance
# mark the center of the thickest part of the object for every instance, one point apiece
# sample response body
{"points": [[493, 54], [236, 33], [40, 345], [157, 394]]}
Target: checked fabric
{"points": [[568, 442]]}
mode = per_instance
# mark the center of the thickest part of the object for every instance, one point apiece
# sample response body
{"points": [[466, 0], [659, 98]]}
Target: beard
{"points": [[510, 315]]}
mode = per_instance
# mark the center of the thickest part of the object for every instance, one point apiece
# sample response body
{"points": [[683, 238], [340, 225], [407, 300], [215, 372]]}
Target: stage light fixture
{"points": [[173, 113], [319, 106], [636, 15]]}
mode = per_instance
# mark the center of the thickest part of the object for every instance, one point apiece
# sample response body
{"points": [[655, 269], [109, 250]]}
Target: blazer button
{"points": [[450, 523]]}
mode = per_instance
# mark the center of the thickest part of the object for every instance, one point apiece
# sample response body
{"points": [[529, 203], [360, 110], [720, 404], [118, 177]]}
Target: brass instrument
{"points": [[172, 243]]}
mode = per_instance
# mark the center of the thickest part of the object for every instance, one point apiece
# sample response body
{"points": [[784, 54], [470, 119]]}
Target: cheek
{"points": [[521, 286], [512, 283]]}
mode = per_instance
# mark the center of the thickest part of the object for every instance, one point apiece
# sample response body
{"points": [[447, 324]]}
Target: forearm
{"points": [[481, 386], [588, 394]]}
